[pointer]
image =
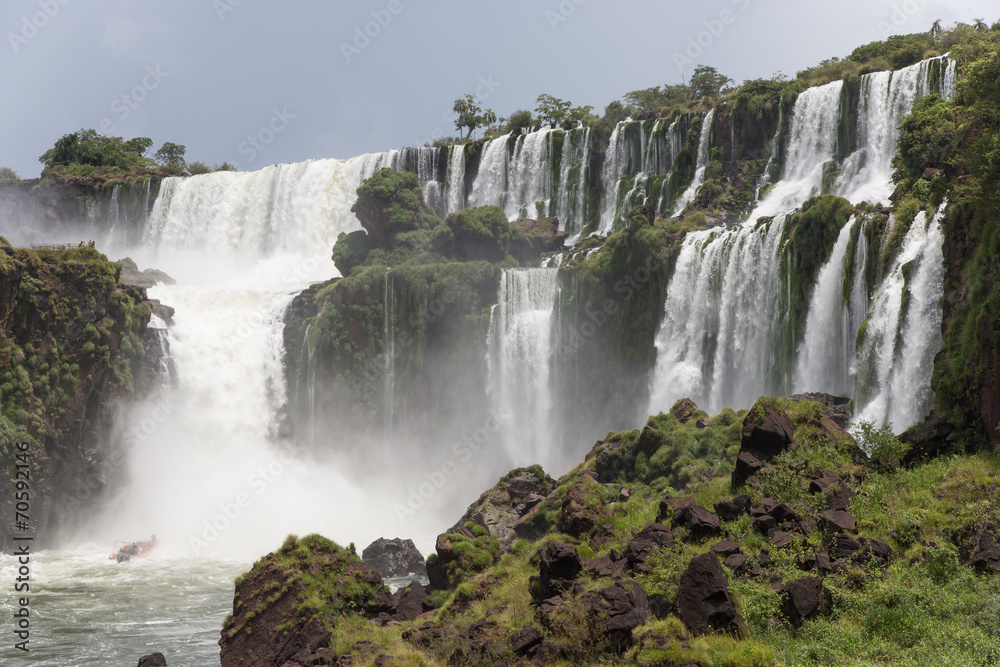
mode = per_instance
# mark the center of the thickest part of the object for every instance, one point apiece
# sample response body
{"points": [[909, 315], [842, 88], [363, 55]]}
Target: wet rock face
{"points": [[394, 558], [703, 598]]}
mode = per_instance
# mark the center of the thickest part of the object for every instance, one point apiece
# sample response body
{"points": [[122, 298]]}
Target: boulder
{"points": [[684, 410], [803, 599], [737, 563], [641, 547], [619, 608], [767, 431], [843, 546], [703, 598], [527, 639], [780, 538], [540, 236], [498, 509], [394, 558], [579, 513], [834, 489], [560, 564], [747, 465], [837, 521], [782, 513], [700, 522], [726, 548], [411, 602], [153, 660], [734, 508], [610, 565]]}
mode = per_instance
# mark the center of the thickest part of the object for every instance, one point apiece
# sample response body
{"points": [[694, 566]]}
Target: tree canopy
{"points": [[86, 147]]}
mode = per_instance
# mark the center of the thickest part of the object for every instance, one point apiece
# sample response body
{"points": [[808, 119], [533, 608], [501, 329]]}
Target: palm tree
{"points": [[979, 24], [936, 28]]}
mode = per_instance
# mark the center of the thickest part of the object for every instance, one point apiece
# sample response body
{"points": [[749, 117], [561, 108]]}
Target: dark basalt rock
{"points": [[558, 569], [737, 563], [734, 508], [834, 489], [684, 410], [781, 539], [153, 660], [726, 548], [767, 432], [844, 546], [411, 602], [619, 609], [577, 517], [837, 521], [803, 599], [527, 639], [610, 565], [499, 509], [394, 558], [703, 599], [747, 466], [699, 521], [641, 547]]}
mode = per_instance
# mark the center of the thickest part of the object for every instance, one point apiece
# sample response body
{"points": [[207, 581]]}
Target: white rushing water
{"points": [[520, 357], [903, 332], [699, 172], [723, 349], [826, 356], [724, 314]]}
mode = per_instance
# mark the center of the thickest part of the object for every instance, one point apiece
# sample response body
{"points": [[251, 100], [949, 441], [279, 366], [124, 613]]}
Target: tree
{"points": [[936, 28], [468, 110], [8, 174], [707, 82], [86, 147], [521, 120], [658, 99], [552, 110], [979, 24], [171, 156]]}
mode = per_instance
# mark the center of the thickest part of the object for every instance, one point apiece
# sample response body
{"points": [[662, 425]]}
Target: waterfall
{"points": [[574, 173], [114, 214], [825, 356], [615, 164], [811, 146], [699, 173], [638, 167], [519, 359], [898, 342], [886, 99], [455, 189], [722, 329], [765, 178], [389, 349], [518, 180]]}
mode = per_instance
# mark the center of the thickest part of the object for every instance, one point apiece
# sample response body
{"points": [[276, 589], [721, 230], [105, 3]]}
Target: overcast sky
{"points": [[312, 78]]}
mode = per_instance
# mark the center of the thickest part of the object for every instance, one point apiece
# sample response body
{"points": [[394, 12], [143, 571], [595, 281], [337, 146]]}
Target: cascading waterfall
{"points": [[811, 145], [825, 358], [455, 189], [638, 161], [699, 173], [902, 334], [520, 176], [886, 98], [696, 351], [723, 329], [574, 173], [519, 358]]}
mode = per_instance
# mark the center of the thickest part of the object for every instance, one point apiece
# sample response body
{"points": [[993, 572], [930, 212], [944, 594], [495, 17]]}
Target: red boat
{"points": [[130, 550]]}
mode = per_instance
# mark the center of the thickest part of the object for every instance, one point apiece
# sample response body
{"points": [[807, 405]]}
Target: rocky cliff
{"points": [[70, 346]]}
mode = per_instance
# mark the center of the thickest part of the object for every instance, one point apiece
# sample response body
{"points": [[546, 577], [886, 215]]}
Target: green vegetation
{"points": [[171, 157], [68, 330], [924, 605], [8, 174], [471, 115], [88, 149]]}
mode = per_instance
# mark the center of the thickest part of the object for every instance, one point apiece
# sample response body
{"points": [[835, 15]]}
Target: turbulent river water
{"points": [[88, 610]]}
